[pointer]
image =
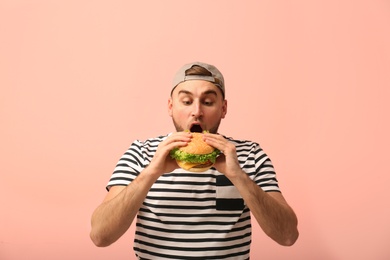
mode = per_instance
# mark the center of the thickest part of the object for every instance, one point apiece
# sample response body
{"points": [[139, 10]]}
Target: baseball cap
{"points": [[216, 76]]}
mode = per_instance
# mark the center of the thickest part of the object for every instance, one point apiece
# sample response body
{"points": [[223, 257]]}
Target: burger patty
{"points": [[206, 164]]}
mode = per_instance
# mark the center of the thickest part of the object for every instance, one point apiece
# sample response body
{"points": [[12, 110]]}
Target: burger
{"points": [[196, 156]]}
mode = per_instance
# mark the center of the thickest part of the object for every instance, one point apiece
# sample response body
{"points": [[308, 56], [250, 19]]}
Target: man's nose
{"points": [[197, 110]]}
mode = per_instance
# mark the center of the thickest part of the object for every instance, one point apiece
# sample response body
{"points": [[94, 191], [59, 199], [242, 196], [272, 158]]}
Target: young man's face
{"points": [[197, 105]]}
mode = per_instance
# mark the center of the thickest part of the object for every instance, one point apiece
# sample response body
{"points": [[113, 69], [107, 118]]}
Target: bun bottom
{"points": [[199, 169], [193, 167]]}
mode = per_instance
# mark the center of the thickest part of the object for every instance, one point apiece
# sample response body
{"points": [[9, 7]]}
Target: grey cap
{"points": [[216, 78]]}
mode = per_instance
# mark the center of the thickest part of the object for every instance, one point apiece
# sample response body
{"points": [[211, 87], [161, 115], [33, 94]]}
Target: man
{"points": [[185, 215]]}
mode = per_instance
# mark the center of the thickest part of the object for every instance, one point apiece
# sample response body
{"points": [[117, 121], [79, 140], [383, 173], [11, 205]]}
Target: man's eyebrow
{"points": [[207, 92], [185, 92], [213, 92]]}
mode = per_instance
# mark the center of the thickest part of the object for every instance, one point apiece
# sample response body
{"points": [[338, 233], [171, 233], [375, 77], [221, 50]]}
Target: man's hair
{"points": [[198, 70]]}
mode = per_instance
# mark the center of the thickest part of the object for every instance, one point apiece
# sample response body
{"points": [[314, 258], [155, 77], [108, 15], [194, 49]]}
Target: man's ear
{"points": [[224, 109], [170, 106]]}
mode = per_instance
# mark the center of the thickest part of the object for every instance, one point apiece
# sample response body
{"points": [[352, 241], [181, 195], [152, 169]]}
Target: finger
{"points": [[220, 159], [215, 141], [180, 136], [220, 163], [176, 140]]}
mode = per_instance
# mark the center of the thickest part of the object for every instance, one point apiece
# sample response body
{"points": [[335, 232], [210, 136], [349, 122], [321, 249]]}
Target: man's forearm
{"points": [[114, 217], [273, 214]]}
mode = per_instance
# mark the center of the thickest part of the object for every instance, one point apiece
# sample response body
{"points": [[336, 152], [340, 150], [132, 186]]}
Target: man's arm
{"points": [[270, 209], [113, 217]]}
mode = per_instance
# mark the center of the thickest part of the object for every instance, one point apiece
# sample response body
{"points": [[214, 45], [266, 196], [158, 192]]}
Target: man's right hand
{"points": [[162, 162]]}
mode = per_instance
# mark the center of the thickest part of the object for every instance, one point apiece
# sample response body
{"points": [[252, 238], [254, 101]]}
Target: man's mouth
{"points": [[196, 128]]}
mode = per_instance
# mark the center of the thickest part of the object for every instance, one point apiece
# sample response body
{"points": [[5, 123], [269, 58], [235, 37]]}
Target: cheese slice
{"points": [[187, 165]]}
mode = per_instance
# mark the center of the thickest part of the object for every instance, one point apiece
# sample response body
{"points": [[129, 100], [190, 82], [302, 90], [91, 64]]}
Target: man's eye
{"points": [[187, 102], [208, 103]]}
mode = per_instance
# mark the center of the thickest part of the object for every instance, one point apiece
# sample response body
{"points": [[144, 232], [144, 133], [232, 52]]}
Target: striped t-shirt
{"points": [[193, 215]]}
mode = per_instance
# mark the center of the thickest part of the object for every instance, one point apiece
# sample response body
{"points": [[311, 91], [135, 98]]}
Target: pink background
{"points": [[80, 80]]}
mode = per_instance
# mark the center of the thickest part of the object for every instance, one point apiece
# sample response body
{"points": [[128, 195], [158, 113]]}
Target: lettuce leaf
{"points": [[194, 158]]}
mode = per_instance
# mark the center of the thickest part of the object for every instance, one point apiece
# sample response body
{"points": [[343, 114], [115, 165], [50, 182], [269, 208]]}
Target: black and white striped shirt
{"points": [[194, 215]]}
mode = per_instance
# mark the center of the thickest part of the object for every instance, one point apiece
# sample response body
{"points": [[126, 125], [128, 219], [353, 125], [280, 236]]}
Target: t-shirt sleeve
{"points": [[265, 175], [128, 167]]}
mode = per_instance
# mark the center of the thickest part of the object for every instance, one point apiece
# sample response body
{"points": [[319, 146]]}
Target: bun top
{"points": [[197, 145]]}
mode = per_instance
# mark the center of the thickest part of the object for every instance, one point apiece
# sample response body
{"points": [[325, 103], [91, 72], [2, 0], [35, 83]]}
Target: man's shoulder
{"points": [[240, 141], [159, 138], [150, 142]]}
